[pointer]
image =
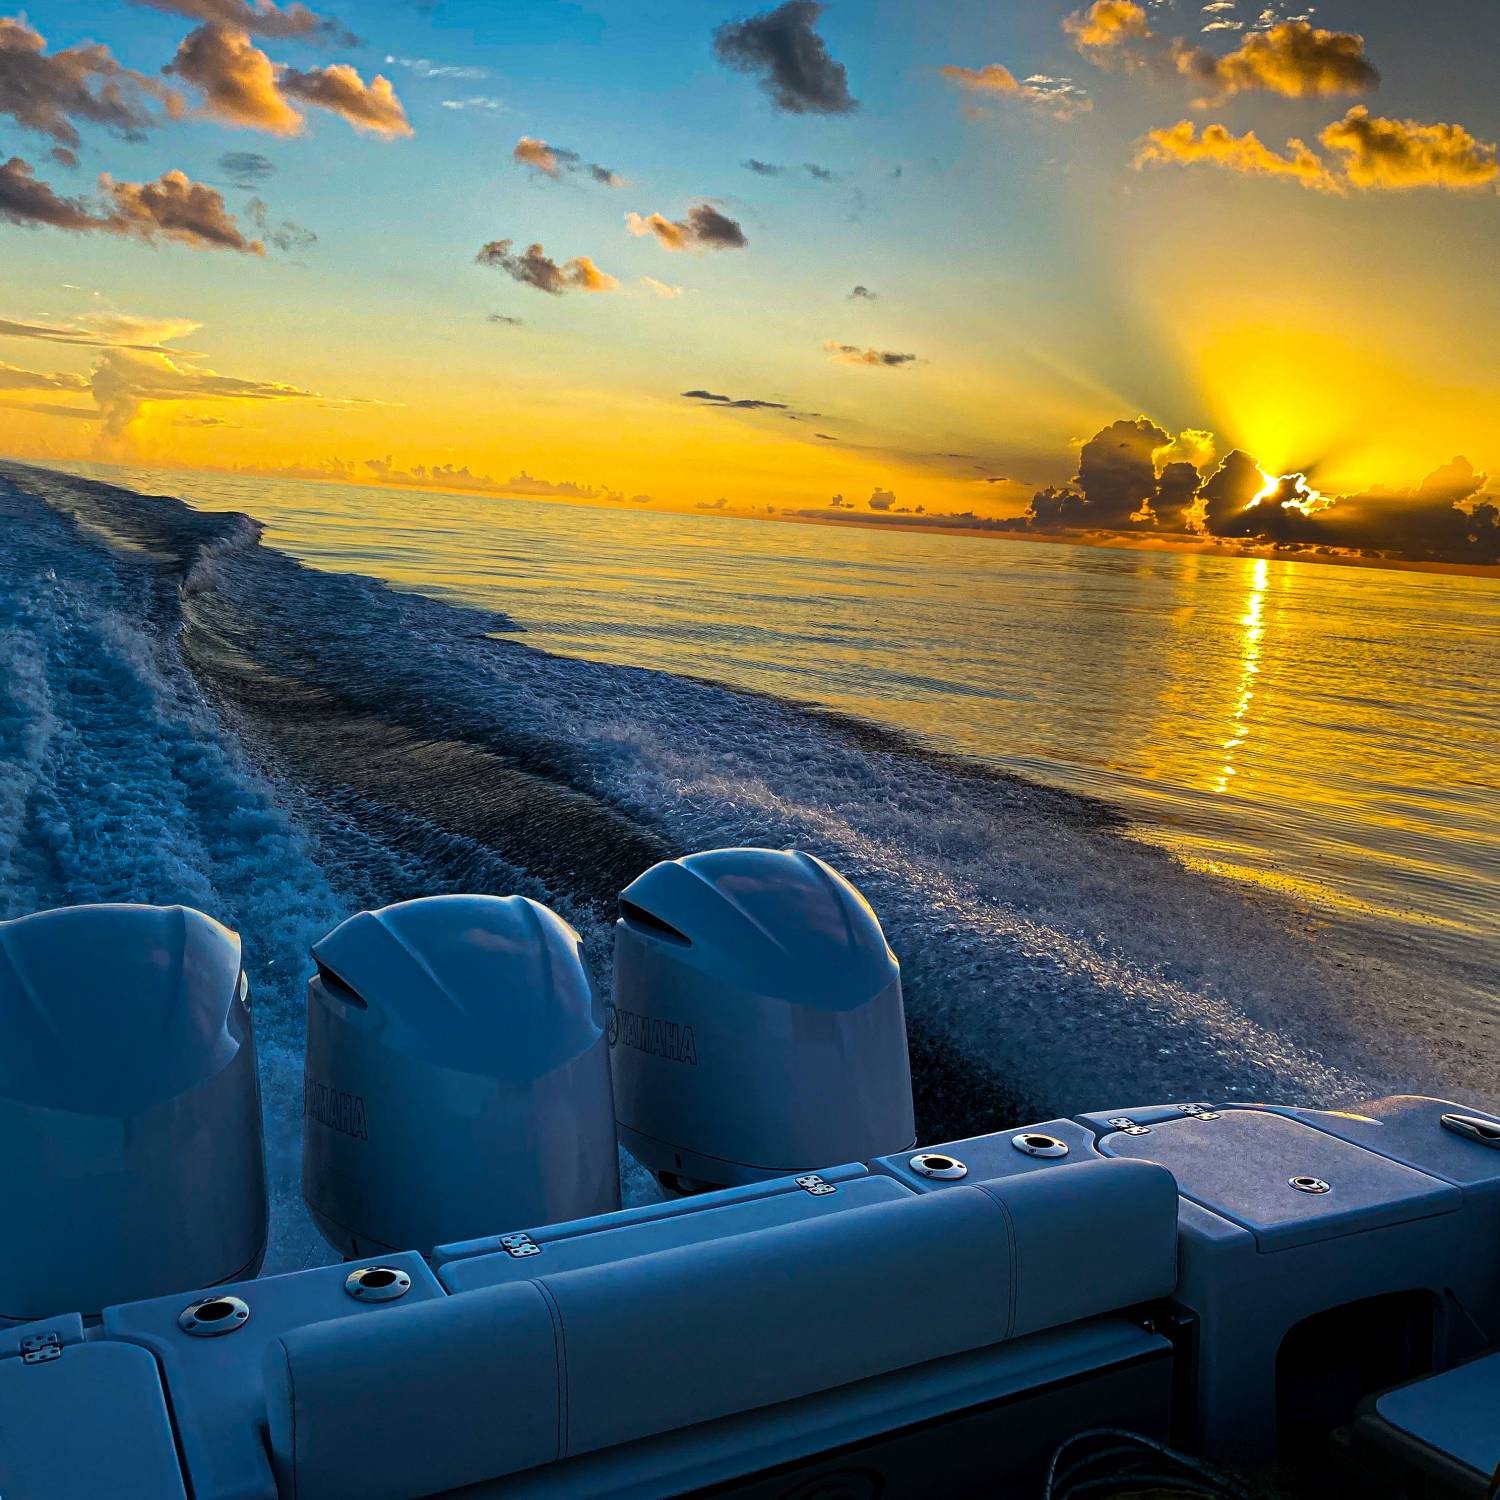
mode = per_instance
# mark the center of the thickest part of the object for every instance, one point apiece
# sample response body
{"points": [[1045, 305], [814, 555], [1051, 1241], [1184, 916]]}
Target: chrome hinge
{"points": [[810, 1182], [520, 1244], [40, 1348], [1126, 1126], [1197, 1112]]}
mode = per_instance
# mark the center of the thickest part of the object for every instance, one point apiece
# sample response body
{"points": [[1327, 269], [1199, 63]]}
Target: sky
{"points": [[1029, 267]]}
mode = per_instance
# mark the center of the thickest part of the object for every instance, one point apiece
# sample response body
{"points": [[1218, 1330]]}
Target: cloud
{"points": [[536, 269], [553, 161], [852, 354], [461, 477], [126, 382], [49, 92], [424, 67], [729, 403], [242, 86], [258, 16], [863, 294], [704, 228], [504, 318], [1370, 153], [1131, 479], [13, 378], [1059, 97], [246, 168], [478, 101], [782, 47], [106, 331], [720, 504], [1400, 154], [174, 208], [837, 502], [660, 288], [1183, 145], [286, 236], [1292, 58], [775, 169], [1107, 25], [882, 499], [171, 208], [238, 81], [371, 107]]}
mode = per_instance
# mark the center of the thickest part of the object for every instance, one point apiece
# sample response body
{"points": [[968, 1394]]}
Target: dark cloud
{"points": [[1131, 479], [24, 199], [504, 318], [704, 228], [175, 208], [852, 354], [246, 168], [720, 504], [839, 503], [863, 294], [782, 47], [261, 17], [49, 92], [727, 403], [534, 268], [553, 161], [286, 236], [171, 208], [775, 169], [882, 499]]}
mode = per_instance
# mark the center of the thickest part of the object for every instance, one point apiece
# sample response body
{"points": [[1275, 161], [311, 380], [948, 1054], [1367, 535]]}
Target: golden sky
{"points": [[916, 258]]}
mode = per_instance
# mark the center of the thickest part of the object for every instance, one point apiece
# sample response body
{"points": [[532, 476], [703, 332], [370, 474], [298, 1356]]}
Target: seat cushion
{"points": [[1456, 1413], [498, 1380]]}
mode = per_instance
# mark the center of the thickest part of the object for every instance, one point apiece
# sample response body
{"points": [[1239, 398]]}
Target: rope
{"points": [[1128, 1451]]}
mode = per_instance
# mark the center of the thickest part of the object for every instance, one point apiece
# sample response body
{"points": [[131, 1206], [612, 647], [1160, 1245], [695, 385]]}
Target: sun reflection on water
{"points": [[1254, 629]]}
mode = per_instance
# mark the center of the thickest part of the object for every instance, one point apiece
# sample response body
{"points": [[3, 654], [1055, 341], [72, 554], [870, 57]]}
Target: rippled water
{"points": [[1332, 733]]}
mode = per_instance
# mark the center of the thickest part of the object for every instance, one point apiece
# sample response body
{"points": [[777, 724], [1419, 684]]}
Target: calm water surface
{"points": [[1333, 733]]}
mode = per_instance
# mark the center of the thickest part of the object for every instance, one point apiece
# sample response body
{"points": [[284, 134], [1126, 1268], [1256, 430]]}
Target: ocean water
{"points": [[1139, 826]]}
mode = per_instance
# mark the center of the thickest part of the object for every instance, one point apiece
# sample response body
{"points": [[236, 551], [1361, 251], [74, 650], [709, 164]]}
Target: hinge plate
{"points": [[810, 1182], [520, 1244]]}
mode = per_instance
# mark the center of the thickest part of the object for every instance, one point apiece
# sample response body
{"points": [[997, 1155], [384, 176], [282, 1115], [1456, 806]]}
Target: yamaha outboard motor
{"points": [[757, 1026], [130, 1132], [457, 1076]]}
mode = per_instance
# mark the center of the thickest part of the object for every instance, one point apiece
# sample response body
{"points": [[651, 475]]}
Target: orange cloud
{"points": [[1181, 144], [1059, 97], [1400, 154], [1107, 24], [237, 79], [339, 89], [1294, 59], [241, 85]]}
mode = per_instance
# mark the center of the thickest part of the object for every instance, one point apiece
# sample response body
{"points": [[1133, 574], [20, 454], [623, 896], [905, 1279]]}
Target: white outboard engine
{"points": [[757, 1026], [457, 1076], [131, 1162]]}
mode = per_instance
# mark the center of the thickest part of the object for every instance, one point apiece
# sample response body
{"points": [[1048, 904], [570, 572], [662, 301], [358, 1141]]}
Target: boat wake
{"points": [[187, 715]]}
